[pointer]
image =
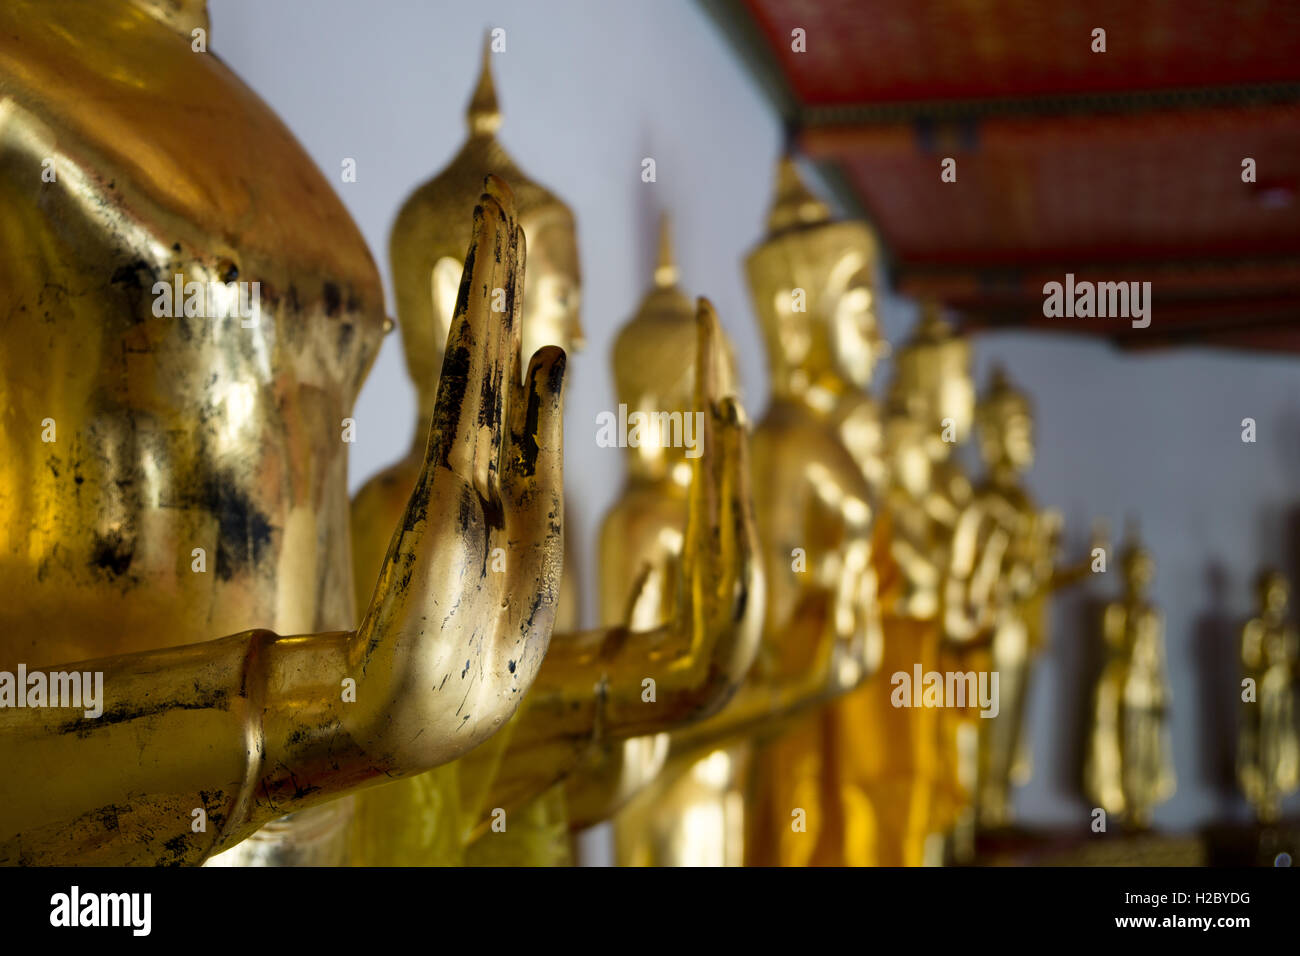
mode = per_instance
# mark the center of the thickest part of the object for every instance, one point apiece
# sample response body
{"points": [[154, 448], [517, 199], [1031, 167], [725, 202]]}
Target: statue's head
{"points": [[189, 300], [906, 442], [932, 377], [432, 233], [812, 282], [1005, 420], [1273, 592], [1138, 564], [654, 367]]}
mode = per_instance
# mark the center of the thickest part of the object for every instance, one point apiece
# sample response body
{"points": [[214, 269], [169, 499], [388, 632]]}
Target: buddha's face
{"points": [[1273, 593], [1139, 569], [659, 390], [1018, 440], [552, 288], [1008, 436], [814, 291], [855, 330]]}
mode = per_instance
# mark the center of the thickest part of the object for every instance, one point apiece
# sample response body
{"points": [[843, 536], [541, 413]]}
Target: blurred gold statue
{"points": [[1268, 760], [176, 470], [643, 535], [895, 777], [1129, 764], [810, 281], [1029, 575], [505, 803], [935, 385]]}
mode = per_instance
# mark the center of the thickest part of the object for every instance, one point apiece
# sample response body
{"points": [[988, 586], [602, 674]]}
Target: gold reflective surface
{"points": [[170, 478], [1129, 764], [511, 796], [1268, 762]]}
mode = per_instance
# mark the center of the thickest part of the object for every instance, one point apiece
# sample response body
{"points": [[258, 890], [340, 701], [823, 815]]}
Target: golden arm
{"points": [[590, 688], [251, 726], [972, 593], [1065, 576], [765, 705], [829, 644]]}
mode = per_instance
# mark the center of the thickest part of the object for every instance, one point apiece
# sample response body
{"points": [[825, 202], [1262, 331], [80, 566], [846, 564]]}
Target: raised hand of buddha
{"points": [[462, 613], [594, 682], [720, 601]]}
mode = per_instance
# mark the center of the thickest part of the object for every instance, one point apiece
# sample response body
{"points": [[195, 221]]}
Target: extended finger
{"points": [[468, 411], [535, 454], [516, 377], [505, 305], [737, 495], [702, 526]]}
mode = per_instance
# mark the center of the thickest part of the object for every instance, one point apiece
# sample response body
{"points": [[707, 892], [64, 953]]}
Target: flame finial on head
{"points": [[794, 205], [666, 274], [649, 370], [484, 114]]}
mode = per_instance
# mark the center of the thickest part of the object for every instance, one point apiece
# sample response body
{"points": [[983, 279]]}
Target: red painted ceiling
{"points": [[1118, 165]]}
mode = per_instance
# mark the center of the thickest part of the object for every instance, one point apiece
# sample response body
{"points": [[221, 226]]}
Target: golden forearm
{"points": [[196, 747], [619, 682], [612, 776], [1065, 577], [594, 690], [1068, 575], [763, 701], [615, 683], [596, 685]]}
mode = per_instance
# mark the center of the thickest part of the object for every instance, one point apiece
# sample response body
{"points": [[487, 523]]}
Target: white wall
{"points": [[587, 90]]}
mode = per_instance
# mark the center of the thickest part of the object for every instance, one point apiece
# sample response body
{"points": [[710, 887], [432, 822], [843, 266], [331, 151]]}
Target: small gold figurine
{"points": [[591, 696], [1129, 764], [176, 471], [1268, 760]]}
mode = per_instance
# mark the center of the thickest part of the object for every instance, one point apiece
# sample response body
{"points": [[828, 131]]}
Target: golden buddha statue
{"points": [[642, 535], [1005, 425], [1268, 759], [592, 695], [1129, 765], [810, 281], [176, 471], [889, 779]]}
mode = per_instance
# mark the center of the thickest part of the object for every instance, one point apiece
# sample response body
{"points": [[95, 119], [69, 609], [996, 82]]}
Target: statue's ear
{"points": [[444, 286]]}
